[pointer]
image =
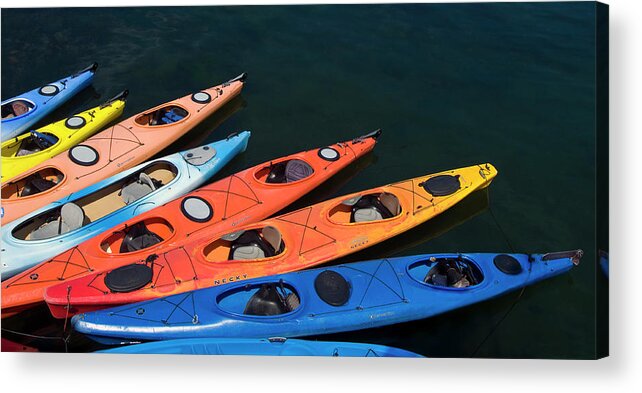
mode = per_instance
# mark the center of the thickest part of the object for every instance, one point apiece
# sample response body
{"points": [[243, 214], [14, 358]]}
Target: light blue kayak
{"points": [[263, 347], [61, 225], [21, 112], [327, 300]]}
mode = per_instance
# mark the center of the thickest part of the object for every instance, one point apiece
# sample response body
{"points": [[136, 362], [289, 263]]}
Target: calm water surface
{"points": [[450, 85]]}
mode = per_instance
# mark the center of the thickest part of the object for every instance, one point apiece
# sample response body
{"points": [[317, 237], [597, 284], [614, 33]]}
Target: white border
{"points": [[25, 372]]}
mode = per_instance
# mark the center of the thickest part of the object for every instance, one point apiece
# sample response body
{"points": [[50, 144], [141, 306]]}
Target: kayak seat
{"points": [[36, 142], [250, 245], [36, 184], [293, 302], [289, 171], [449, 272], [138, 237], [137, 189], [71, 218], [375, 207], [15, 108], [267, 301]]}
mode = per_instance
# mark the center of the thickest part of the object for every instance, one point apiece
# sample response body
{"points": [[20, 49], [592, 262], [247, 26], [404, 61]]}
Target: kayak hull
{"points": [[243, 197], [381, 292], [117, 148], [45, 104], [95, 120], [20, 254], [262, 347]]}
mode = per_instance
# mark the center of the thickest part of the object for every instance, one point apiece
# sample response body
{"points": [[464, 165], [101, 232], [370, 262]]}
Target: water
{"points": [[451, 85]]}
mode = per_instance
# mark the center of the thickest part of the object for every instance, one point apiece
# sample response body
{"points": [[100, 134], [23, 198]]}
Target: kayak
{"points": [[327, 300], [293, 241], [30, 149], [247, 196], [64, 224], [277, 346], [23, 111], [114, 149]]}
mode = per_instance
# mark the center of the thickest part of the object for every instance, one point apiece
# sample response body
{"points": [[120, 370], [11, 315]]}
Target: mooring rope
{"points": [[519, 296]]}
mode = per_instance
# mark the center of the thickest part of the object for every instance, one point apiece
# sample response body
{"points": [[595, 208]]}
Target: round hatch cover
{"points": [[128, 278], [328, 154], [507, 264], [332, 288], [201, 97], [441, 185], [196, 209], [75, 122], [83, 155], [49, 90]]}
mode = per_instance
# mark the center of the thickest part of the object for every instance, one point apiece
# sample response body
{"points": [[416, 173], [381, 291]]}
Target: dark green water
{"points": [[450, 85]]}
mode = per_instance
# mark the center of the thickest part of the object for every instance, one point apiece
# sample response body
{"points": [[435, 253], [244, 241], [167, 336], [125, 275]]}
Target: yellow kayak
{"points": [[31, 148]]}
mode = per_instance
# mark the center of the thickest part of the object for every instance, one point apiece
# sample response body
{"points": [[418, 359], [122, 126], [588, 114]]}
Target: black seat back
{"points": [[266, 301], [371, 202], [138, 237]]}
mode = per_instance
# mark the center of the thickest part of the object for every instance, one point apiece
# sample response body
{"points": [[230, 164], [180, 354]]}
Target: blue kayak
{"points": [[329, 300], [21, 112], [262, 347], [61, 225]]}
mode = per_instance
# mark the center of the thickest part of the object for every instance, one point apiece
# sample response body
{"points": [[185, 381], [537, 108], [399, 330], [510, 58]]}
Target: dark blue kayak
{"points": [[262, 347], [328, 300], [21, 112]]}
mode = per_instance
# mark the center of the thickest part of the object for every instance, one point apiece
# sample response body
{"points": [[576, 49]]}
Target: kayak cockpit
{"points": [[251, 244], [138, 236], [447, 272], [262, 299], [16, 108], [288, 171], [366, 208], [35, 183], [32, 143], [165, 115], [92, 207]]}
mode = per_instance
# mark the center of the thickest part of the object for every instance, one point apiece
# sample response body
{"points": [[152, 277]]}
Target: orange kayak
{"points": [[292, 241], [112, 150], [248, 196]]}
